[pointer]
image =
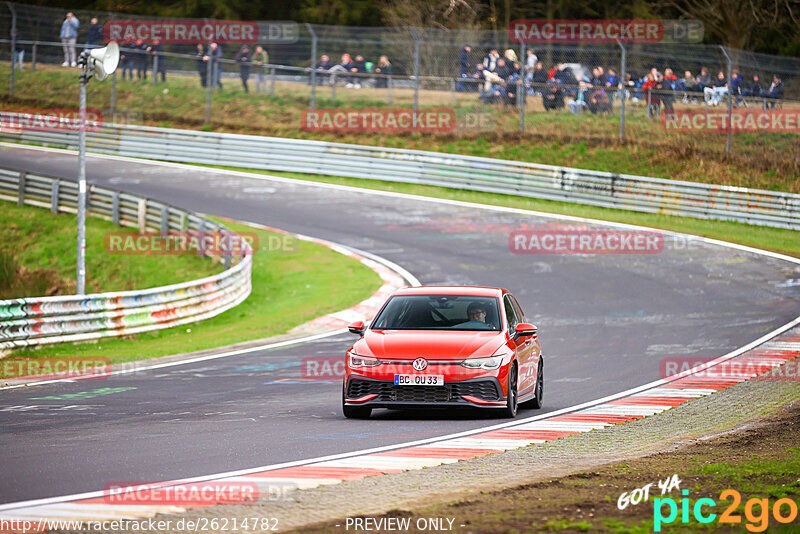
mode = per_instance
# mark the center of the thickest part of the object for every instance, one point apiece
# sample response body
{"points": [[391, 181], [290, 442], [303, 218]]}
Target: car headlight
{"points": [[361, 361], [492, 362]]}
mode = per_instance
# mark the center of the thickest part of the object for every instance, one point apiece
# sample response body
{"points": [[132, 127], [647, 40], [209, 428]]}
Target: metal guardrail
{"points": [[40, 320], [620, 191]]}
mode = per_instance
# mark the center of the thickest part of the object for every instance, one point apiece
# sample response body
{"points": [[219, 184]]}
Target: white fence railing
{"points": [[39, 320], [621, 191]]}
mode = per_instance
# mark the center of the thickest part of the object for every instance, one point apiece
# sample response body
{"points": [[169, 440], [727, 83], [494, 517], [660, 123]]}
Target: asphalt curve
{"points": [[606, 322]]}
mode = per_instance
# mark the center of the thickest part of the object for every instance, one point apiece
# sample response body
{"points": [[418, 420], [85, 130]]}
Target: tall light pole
{"points": [[99, 62]]}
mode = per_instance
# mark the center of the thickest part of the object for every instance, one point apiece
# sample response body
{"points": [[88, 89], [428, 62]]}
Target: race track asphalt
{"points": [[606, 321]]}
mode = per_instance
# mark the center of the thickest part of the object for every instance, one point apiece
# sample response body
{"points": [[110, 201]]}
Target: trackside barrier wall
{"points": [[621, 191], [36, 321]]}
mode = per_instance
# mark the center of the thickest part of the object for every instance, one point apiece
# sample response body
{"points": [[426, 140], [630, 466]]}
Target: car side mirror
{"points": [[526, 329], [357, 328]]}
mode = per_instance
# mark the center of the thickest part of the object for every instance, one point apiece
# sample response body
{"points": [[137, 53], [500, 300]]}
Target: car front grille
{"points": [[388, 392]]}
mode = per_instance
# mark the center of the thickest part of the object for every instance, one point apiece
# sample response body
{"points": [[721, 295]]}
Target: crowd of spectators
{"points": [[497, 79], [356, 72]]}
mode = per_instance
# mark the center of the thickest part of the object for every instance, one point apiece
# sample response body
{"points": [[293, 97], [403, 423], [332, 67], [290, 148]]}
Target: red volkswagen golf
{"points": [[444, 347]]}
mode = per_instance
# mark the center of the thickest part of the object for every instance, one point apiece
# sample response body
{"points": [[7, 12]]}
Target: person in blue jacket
{"points": [[69, 36]]}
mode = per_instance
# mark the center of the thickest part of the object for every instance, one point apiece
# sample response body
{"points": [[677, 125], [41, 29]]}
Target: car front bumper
{"points": [[476, 392]]}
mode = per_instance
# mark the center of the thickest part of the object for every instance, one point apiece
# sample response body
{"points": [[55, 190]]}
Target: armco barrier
{"points": [[35, 321], [622, 191]]}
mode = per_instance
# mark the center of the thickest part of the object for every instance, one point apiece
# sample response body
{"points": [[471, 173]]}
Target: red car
{"points": [[444, 347]]}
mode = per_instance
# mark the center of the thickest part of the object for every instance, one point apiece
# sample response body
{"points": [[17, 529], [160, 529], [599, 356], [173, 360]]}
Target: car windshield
{"points": [[438, 312]]}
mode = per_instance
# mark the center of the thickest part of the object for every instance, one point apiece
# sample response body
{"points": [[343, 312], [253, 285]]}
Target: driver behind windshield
{"points": [[476, 313]]}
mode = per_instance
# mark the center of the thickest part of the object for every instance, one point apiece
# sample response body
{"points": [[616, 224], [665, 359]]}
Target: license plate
{"points": [[418, 380]]}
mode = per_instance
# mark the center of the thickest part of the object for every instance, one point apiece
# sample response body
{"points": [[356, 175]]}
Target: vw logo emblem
{"points": [[420, 364]]}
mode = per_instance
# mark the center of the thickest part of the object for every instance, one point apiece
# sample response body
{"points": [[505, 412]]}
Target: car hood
{"points": [[436, 345]]}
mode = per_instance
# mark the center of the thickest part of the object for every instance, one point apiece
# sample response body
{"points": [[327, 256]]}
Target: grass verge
{"points": [[38, 252], [290, 287], [775, 239]]}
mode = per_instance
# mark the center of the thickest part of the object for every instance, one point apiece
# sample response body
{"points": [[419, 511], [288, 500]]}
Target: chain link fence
{"points": [[413, 68]]}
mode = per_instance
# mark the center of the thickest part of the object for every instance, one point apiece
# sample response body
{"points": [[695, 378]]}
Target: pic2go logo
{"points": [[756, 511]]}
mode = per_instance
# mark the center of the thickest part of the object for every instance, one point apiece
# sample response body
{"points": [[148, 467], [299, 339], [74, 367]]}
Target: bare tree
{"points": [[442, 26], [734, 22]]}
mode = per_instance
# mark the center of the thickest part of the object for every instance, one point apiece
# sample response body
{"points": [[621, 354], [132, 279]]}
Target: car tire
{"points": [[538, 398], [355, 412], [512, 399]]}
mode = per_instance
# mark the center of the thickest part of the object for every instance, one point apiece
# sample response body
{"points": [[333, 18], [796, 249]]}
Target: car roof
{"points": [[472, 291]]}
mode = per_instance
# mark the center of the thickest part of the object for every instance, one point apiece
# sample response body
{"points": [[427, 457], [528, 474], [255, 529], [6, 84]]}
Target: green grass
{"points": [[42, 247], [290, 287], [775, 239], [765, 161]]}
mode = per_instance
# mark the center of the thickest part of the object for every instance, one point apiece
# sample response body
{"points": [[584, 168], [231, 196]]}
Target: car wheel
{"points": [[539, 397], [355, 412], [511, 398]]}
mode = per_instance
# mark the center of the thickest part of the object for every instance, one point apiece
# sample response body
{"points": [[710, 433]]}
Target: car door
{"points": [[519, 344], [533, 348]]}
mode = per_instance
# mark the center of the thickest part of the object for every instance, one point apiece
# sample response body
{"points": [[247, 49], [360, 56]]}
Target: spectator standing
{"points": [[774, 93], [612, 84], [530, 63], [260, 59], [94, 35], [539, 79], [664, 90], [463, 66], [126, 58], [384, 69], [140, 59], [201, 64], [653, 103], [243, 59], [159, 60], [214, 54], [19, 49], [69, 36]]}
